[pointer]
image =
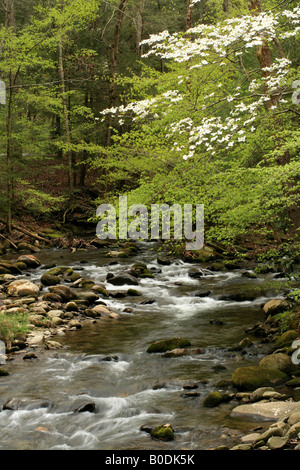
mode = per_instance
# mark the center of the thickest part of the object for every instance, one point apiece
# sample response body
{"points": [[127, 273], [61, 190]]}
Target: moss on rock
{"points": [[252, 377], [168, 345], [163, 432]]}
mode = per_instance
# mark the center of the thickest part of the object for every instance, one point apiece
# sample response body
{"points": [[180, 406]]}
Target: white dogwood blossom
{"points": [[217, 46]]}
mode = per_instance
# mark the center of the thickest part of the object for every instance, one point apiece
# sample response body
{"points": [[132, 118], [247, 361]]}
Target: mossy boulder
{"points": [[64, 292], [278, 361], [286, 339], [141, 270], [59, 271], [133, 293], [10, 268], [272, 307], [252, 377], [294, 383], [168, 345], [100, 290], [50, 280], [163, 432], [28, 247], [30, 261], [214, 399]]}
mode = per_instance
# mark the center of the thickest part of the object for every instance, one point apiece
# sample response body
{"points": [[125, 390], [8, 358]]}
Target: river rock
{"points": [[64, 292], [272, 307], [101, 310], [168, 345], [163, 260], [214, 399], [294, 418], [266, 411], [286, 339], [30, 261], [10, 267], [278, 361], [21, 288], [35, 339], [88, 296], [163, 432], [123, 279], [3, 372], [75, 324], [100, 290], [86, 408], [50, 280], [71, 307], [29, 356], [252, 377], [55, 313], [276, 442], [179, 352]]}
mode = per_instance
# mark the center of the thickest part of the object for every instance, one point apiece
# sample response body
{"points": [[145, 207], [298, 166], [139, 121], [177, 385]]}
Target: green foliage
{"points": [[12, 325]]}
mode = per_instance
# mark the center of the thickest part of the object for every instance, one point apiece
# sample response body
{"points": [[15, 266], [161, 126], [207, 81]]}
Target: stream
{"points": [[106, 363]]}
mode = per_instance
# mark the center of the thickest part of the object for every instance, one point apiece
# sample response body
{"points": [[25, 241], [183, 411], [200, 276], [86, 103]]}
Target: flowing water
{"points": [[106, 363]]}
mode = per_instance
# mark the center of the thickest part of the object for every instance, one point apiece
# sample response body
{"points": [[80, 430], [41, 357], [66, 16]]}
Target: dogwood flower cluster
{"points": [[141, 109]]}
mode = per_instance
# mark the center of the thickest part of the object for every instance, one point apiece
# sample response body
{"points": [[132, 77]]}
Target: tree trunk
{"points": [[9, 23], [68, 152], [189, 14], [225, 5], [139, 27], [114, 50]]}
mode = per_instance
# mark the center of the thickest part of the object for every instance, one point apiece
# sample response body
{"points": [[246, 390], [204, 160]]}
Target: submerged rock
{"points": [[163, 432], [168, 345]]}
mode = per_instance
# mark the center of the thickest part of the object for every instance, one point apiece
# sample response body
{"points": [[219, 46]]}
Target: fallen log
{"points": [[7, 239], [27, 232]]}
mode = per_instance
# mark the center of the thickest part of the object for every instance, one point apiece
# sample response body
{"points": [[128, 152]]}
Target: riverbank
{"points": [[71, 302]]}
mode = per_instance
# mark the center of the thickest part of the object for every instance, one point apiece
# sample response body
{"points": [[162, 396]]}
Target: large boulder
{"points": [[168, 345], [267, 410], [64, 292], [10, 267], [123, 279], [252, 377], [50, 280], [278, 361], [272, 307], [22, 288], [30, 261]]}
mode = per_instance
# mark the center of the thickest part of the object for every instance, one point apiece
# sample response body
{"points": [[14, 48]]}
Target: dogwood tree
{"points": [[225, 51]]}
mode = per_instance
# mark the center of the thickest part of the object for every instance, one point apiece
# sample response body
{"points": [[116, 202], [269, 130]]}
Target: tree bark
{"points": [[114, 50], [189, 14], [9, 24], [225, 5], [68, 152], [139, 27]]}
